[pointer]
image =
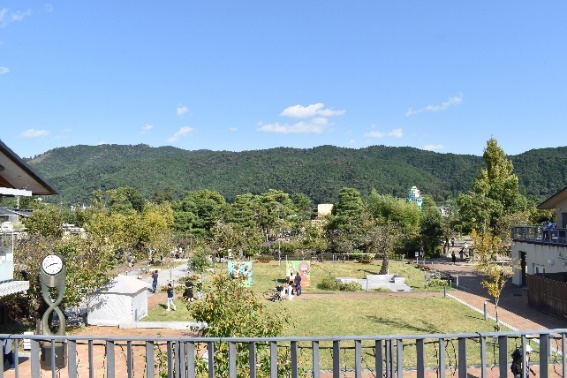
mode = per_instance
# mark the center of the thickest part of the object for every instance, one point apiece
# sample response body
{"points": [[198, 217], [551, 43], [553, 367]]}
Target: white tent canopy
{"points": [[124, 300]]}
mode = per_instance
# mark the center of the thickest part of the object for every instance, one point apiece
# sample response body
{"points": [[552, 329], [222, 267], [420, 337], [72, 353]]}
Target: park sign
{"points": [[303, 268], [241, 270]]}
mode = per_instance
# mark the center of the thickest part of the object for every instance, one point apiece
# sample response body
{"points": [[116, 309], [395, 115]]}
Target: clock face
{"points": [[52, 264]]}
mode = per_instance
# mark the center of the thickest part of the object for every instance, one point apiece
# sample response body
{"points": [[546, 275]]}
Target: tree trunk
{"points": [[496, 314], [385, 264]]}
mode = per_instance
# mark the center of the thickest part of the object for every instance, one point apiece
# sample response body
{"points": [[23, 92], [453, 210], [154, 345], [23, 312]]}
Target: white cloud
{"points": [[147, 127], [233, 129], [315, 126], [300, 111], [7, 17], [434, 147], [182, 132], [395, 133], [317, 123], [181, 110], [4, 70], [33, 133], [453, 101]]}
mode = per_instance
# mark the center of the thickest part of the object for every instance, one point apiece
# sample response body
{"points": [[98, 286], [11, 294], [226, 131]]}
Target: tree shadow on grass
{"points": [[425, 327], [370, 271]]}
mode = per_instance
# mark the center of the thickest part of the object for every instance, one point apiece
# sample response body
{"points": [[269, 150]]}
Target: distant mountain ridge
{"points": [[318, 172]]}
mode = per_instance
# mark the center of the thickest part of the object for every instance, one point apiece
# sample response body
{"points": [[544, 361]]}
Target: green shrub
{"points": [[436, 282], [328, 283], [350, 286]]}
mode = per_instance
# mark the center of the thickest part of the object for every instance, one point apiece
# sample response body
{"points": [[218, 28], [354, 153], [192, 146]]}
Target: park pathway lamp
{"points": [[52, 279]]}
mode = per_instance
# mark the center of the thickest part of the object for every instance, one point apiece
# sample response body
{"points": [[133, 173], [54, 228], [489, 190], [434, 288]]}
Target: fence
{"points": [[439, 355], [548, 295]]}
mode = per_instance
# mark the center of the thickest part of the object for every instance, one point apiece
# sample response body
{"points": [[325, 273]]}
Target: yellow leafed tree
{"points": [[495, 274]]}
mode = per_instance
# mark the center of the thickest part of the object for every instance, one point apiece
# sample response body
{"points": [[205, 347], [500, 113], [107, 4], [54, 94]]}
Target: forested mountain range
{"points": [[318, 172]]}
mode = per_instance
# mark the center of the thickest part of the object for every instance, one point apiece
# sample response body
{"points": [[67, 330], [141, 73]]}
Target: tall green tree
{"points": [[46, 220], [198, 211], [494, 196], [125, 200], [431, 227], [488, 210], [345, 228]]}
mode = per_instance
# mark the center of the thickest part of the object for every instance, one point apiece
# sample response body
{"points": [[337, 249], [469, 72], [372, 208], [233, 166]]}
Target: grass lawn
{"points": [[370, 314], [337, 313]]}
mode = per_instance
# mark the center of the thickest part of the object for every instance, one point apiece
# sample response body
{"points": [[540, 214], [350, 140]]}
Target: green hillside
{"points": [[317, 172]]}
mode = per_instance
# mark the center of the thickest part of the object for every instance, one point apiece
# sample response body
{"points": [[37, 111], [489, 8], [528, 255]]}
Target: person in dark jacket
{"points": [[297, 282]]}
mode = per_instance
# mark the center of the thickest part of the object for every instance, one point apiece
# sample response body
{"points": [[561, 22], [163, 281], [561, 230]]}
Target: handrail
{"points": [[538, 234], [393, 355]]}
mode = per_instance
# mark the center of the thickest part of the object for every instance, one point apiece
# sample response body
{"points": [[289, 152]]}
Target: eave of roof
{"points": [[551, 202], [42, 187]]}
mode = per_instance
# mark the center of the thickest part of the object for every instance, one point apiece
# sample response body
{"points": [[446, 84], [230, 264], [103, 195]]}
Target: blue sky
{"points": [[247, 75]]}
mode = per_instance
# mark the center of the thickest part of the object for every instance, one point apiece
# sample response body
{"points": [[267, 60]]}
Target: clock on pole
{"points": [[52, 279]]}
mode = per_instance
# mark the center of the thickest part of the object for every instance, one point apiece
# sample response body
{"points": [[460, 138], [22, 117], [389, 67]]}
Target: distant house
{"points": [[17, 179], [541, 254], [324, 209]]}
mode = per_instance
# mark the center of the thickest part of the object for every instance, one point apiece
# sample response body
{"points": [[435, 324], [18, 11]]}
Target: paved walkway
{"points": [[513, 305]]}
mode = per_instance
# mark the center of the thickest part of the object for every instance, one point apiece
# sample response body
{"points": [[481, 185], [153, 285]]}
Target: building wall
{"points": [[6, 256], [540, 258]]}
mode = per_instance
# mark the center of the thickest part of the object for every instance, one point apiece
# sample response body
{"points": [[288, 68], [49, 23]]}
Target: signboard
{"points": [[303, 268], [241, 270]]}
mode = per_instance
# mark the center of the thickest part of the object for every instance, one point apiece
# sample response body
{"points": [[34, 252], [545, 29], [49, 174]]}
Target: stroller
{"points": [[277, 294]]}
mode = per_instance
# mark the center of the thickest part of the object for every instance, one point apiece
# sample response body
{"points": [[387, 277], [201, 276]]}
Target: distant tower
{"points": [[415, 196]]}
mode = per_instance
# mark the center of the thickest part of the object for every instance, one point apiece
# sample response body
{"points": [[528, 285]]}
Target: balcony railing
{"points": [[441, 355], [534, 234]]}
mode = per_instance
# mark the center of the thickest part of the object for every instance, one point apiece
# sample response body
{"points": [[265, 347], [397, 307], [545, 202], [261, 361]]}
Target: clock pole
{"points": [[52, 279]]}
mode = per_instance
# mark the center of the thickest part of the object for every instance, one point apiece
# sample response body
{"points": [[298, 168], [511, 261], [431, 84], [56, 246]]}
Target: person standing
{"points": [[8, 354], [453, 257], [154, 280], [189, 290], [289, 286], [297, 280], [170, 298], [519, 360], [199, 288]]}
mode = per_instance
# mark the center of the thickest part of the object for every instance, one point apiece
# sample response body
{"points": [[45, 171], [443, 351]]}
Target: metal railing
{"points": [[535, 234], [444, 355]]}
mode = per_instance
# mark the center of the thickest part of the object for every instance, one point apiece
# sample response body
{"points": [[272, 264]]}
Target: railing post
{"points": [[462, 358], [441, 358], [315, 358], [273, 359], [378, 358], [400, 357], [483, 357], [544, 355], [110, 359], [357, 358], [252, 358], [420, 349], [149, 359], [503, 355], [232, 359], [294, 359], [336, 359]]}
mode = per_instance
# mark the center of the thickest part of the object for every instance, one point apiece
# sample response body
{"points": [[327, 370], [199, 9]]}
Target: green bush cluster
{"points": [[350, 286], [329, 283], [436, 282]]}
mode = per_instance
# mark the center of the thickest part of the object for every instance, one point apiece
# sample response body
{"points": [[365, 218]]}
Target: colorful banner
{"points": [[303, 268], [241, 269]]}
